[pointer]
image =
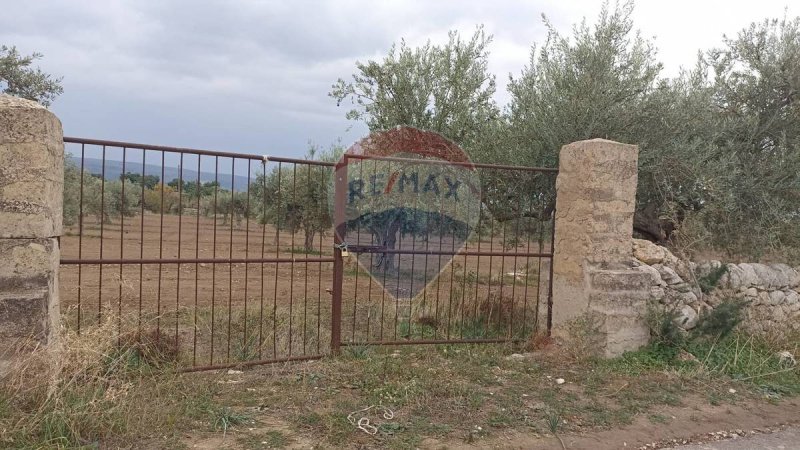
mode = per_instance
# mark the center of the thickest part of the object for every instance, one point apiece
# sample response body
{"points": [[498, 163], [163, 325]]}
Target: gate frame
{"points": [[340, 196]]}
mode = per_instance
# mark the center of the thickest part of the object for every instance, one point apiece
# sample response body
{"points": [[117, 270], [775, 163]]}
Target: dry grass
{"points": [[96, 387], [107, 393]]}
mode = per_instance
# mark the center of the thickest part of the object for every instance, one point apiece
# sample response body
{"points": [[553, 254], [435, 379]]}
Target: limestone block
{"points": [[658, 293], [596, 199], [767, 278], [26, 260], [28, 291], [655, 277], [792, 297], [688, 298], [668, 275], [777, 314], [623, 333], [31, 170], [740, 275], [648, 252], [706, 267], [686, 317], [776, 298], [783, 275], [620, 280], [629, 304]]}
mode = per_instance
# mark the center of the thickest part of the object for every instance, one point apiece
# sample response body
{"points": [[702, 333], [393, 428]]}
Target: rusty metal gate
{"points": [[223, 259]]}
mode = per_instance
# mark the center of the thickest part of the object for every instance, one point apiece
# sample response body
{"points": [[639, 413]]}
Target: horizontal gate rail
{"points": [[195, 151], [398, 251], [452, 163], [112, 261]]}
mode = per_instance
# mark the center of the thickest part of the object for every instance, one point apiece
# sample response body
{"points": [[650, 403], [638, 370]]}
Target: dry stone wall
{"points": [[772, 291]]}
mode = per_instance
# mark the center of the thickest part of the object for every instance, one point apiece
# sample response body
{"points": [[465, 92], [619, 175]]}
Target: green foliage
{"points": [[72, 186], [755, 84], [225, 418], [719, 144], [720, 321], [294, 197], [446, 89], [19, 79], [192, 188], [161, 198], [100, 197], [150, 181], [666, 339], [710, 280]]}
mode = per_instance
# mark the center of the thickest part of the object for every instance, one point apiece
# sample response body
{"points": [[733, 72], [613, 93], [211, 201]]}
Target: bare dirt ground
{"points": [[503, 402]]}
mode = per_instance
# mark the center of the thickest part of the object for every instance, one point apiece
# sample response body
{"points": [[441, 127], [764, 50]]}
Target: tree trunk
{"points": [[388, 240], [309, 241]]}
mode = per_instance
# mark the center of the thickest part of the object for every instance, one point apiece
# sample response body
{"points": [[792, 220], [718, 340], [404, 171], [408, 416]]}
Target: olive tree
{"points": [[756, 99], [447, 89], [18, 78], [294, 197]]}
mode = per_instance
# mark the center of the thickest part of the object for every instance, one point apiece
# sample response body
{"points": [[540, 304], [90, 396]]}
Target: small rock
{"points": [[648, 252], [234, 372], [538, 406], [668, 275], [560, 381], [686, 318], [731, 391], [786, 357], [776, 297], [686, 356]]}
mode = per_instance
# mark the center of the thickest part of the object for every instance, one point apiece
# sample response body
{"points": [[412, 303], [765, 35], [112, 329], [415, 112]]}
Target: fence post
{"points": [[595, 283], [340, 228], [31, 195]]}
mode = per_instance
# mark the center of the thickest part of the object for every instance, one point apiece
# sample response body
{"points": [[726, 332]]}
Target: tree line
{"points": [[719, 162], [292, 198]]}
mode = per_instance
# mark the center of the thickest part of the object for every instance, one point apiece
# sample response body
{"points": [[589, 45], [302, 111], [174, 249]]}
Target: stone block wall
{"points": [[31, 185], [772, 291]]}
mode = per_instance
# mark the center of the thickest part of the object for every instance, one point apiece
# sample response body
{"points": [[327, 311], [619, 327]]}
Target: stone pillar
{"points": [[595, 283], [31, 186]]}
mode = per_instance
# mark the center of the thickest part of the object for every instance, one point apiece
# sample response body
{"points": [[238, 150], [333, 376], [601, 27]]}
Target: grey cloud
{"points": [[236, 75]]}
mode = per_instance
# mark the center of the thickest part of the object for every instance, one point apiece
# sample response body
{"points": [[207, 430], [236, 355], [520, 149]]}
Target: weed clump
{"points": [[92, 388], [714, 347]]}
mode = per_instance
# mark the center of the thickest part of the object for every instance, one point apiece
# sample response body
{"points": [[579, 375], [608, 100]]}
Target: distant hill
{"points": [[114, 170]]}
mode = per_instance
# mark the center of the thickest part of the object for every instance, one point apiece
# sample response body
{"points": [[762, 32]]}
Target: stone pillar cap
{"points": [[10, 101]]}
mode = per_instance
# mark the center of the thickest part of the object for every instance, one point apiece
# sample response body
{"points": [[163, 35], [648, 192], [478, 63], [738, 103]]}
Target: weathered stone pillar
{"points": [[595, 285], [31, 186]]}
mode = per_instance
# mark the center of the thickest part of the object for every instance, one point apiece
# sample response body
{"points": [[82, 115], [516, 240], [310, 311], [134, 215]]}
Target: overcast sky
{"points": [[253, 76]]}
